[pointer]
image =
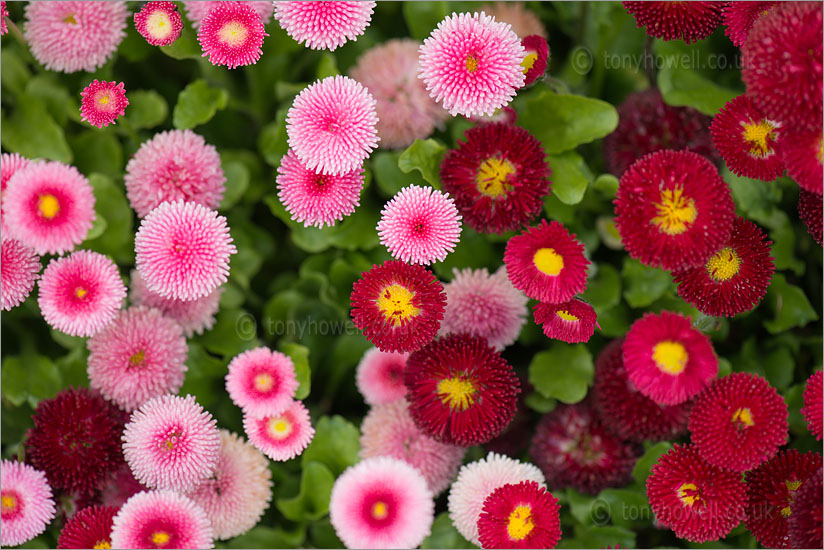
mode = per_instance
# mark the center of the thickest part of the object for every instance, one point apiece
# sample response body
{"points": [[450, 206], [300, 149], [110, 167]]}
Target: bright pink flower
{"points": [[81, 293], [19, 269], [197, 10], [379, 376], [281, 437], [27, 504], [262, 382], [471, 64], [10, 163], [158, 22], [572, 322], [3, 14], [324, 25], [103, 102], [231, 34], [739, 17], [161, 519], [535, 59]]}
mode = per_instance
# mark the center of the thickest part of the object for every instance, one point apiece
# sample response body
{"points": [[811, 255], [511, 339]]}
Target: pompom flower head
{"points": [[536, 58], [812, 409], [667, 359], [281, 436], [231, 34], [19, 269], [140, 355], [398, 306], [324, 25], [379, 376], [688, 21], [182, 250], [25, 501], [805, 523], [262, 382], [810, 210], [196, 10], [90, 527], [158, 22], [161, 519], [10, 163], [381, 502], [572, 322], [81, 293], [739, 17], [171, 443], [103, 102], [471, 64], [4, 12], [802, 153], [520, 515]]}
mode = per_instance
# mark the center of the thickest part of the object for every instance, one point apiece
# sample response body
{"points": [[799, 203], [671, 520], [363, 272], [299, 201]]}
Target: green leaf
{"points": [[779, 365], [570, 176], [97, 151], [680, 85], [600, 537], [563, 372], [606, 184], [473, 250], [111, 205], [627, 507], [539, 403], [62, 106], [423, 17], [185, 47], [237, 181], [197, 103], [15, 75], [336, 444], [604, 290], [444, 534], [272, 142], [235, 330], [789, 305], [32, 132], [268, 537], [424, 156], [312, 502], [147, 109], [327, 66], [642, 284], [29, 379], [388, 176], [300, 357], [644, 465]]}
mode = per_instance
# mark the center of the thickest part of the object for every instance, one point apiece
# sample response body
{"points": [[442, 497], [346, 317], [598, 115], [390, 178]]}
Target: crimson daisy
{"points": [[572, 322], [803, 156], [688, 21], [536, 58], [810, 212], [739, 17], [90, 527], [812, 409], [520, 515], [805, 521]]}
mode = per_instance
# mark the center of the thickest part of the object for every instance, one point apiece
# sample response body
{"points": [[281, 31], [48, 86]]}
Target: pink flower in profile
{"points": [[331, 125], [182, 250], [471, 64], [3, 14], [572, 322], [197, 10], [27, 507], [19, 269], [381, 503], [379, 376], [158, 22], [49, 207], [75, 35], [171, 443], [262, 382], [161, 519], [103, 102], [317, 199], [324, 25], [281, 437], [81, 293], [536, 58], [231, 34], [10, 163], [420, 225]]}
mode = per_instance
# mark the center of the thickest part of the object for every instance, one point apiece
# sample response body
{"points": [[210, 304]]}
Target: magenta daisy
{"points": [[197, 10], [803, 156], [231, 34], [331, 126], [49, 207], [381, 503], [379, 376], [324, 25], [3, 14], [27, 504], [814, 405], [420, 225], [103, 102], [140, 355], [688, 21], [572, 322], [471, 64], [81, 293], [10, 163], [262, 382], [536, 58], [74, 36], [283, 436], [19, 269], [161, 519], [182, 250], [158, 22], [317, 199], [172, 443], [739, 17], [520, 515]]}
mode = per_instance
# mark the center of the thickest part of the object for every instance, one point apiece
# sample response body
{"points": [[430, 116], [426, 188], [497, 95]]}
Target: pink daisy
{"points": [[231, 34], [331, 125], [27, 504], [262, 382], [471, 64], [739, 17], [158, 22], [317, 199], [420, 225], [171, 443], [197, 10], [19, 269], [379, 376], [182, 250], [10, 163], [103, 102], [3, 14], [484, 305], [193, 316], [572, 322], [281, 437], [388, 430], [49, 206], [161, 519], [81, 293], [381, 503], [803, 155], [75, 36], [324, 25], [140, 355]]}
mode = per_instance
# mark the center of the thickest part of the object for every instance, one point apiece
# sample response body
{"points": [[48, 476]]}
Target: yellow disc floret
{"points": [[743, 416], [757, 135], [233, 33], [48, 206], [548, 261], [566, 316], [670, 357], [520, 523], [724, 265], [492, 177], [457, 392], [264, 381], [160, 538], [279, 427], [675, 212], [471, 63], [395, 302], [688, 494], [528, 62], [380, 510]]}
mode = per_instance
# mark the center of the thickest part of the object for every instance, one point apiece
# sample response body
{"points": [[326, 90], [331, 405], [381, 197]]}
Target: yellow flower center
{"points": [[820, 153], [529, 62], [279, 427], [70, 19], [520, 523], [688, 494], [792, 487], [492, 177], [724, 265], [80, 292], [675, 212], [160, 538], [136, 360], [102, 545], [670, 357], [264, 381], [395, 302], [158, 24], [48, 205], [566, 316], [457, 392], [471, 63], [743, 416], [548, 261], [233, 33], [757, 135], [8, 503], [380, 510]]}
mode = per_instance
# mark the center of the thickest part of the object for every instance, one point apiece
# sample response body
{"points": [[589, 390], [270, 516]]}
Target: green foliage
{"points": [[562, 122], [424, 156], [197, 104], [335, 444], [564, 372]]}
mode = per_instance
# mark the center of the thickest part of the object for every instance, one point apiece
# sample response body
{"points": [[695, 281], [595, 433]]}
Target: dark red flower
{"points": [[805, 521], [810, 212], [536, 58], [803, 156], [813, 409], [739, 17], [89, 528], [689, 21], [520, 515], [572, 322]]}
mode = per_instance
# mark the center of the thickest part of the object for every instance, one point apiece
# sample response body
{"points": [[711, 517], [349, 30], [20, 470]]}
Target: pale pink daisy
{"points": [[231, 34], [158, 22], [240, 490], [389, 430], [262, 382], [182, 250], [27, 503], [379, 376], [9, 164], [317, 199], [324, 25], [331, 126], [103, 102], [471, 64], [196, 10], [161, 519], [420, 225], [140, 355], [19, 269], [120, 487], [81, 293], [171, 442], [381, 502], [281, 437], [49, 207], [75, 36]]}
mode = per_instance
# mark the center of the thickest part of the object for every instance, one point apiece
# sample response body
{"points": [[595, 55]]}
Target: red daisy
{"points": [[547, 263], [735, 278], [398, 306], [688, 21], [536, 58], [673, 209], [698, 501], [739, 422], [571, 322], [573, 449], [813, 409], [739, 17], [810, 212], [460, 390], [628, 413], [803, 156], [498, 177], [90, 527], [520, 515], [805, 521], [747, 140], [667, 359], [771, 492]]}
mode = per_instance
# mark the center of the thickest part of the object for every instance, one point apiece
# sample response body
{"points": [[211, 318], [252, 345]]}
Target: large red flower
{"points": [[805, 521], [520, 515], [90, 527], [813, 407], [802, 152], [739, 17], [689, 21]]}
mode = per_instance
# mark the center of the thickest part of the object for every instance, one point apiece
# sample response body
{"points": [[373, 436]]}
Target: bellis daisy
{"points": [[810, 211], [691, 21], [803, 155], [90, 527], [520, 515], [812, 409], [103, 102], [739, 17], [27, 504], [524, 21], [161, 519], [805, 522], [262, 382], [3, 14], [572, 322], [10, 163], [231, 34], [282, 436], [535, 59], [324, 25], [158, 22], [196, 10], [379, 376], [19, 269]]}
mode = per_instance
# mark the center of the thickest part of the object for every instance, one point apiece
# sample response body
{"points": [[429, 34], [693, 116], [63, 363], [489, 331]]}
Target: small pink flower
{"points": [[19, 269], [281, 437], [324, 25], [197, 10], [262, 382], [379, 376], [103, 102], [28, 506], [10, 163], [158, 22], [3, 14], [232, 34], [161, 519]]}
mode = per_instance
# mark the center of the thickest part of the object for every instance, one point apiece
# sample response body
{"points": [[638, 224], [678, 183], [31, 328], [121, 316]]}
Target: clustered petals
{"points": [[262, 382], [281, 436], [572, 322], [19, 270], [688, 21], [231, 34], [161, 519], [27, 507], [159, 22], [324, 25], [522, 515], [103, 102]]}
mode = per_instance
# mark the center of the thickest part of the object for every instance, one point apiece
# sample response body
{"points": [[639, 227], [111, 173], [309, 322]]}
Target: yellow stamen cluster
{"points": [[492, 177], [233, 33], [520, 523], [395, 302], [548, 262], [724, 265], [670, 357], [757, 135], [457, 392], [675, 212]]}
